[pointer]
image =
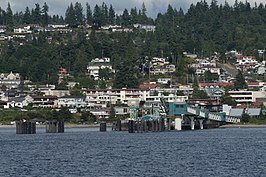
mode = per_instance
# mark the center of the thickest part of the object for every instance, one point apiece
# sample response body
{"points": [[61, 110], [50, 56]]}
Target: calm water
{"points": [[87, 152]]}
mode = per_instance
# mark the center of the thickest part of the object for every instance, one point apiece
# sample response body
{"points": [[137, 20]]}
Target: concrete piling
{"points": [[55, 126], [103, 126], [131, 126], [118, 125], [168, 124], [25, 127]]}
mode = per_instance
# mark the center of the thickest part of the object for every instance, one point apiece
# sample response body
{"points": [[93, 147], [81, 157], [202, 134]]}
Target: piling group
{"points": [[132, 126], [29, 127]]}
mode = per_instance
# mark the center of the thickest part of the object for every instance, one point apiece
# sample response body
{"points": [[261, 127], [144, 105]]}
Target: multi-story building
{"points": [[11, 80], [96, 65], [131, 97], [44, 101], [244, 96], [72, 102], [103, 97]]}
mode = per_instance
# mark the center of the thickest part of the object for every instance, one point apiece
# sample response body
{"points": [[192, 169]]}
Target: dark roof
{"points": [[47, 96], [67, 96], [17, 99]]}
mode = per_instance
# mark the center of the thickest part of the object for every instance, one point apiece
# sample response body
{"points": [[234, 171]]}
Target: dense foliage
{"points": [[203, 29]]}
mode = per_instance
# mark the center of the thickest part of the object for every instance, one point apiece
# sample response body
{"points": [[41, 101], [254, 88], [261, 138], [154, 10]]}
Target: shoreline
{"points": [[242, 126], [66, 126], [110, 125]]}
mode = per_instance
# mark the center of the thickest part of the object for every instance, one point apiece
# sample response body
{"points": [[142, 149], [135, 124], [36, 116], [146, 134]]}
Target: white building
{"points": [[96, 65], [2, 29], [147, 28], [11, 80], [201, 71], [130, 97], [243, 96], [164, 80], [246, 62], [72, 102], [23, 29]]}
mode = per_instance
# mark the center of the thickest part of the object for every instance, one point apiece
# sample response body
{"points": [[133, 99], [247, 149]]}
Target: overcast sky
{"points": [[153, 6]]}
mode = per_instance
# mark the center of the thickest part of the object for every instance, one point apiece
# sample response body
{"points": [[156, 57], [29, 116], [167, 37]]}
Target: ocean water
{"points": [[88, 152]]}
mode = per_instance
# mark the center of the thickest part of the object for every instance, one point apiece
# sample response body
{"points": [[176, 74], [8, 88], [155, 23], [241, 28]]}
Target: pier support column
{"points": [[168, 124], [201, 123], [178, 123], [103, 126], [131, 127], [192, 123]]}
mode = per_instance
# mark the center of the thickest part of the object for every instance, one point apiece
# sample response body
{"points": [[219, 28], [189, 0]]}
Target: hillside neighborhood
{"points": [[23, 94]]}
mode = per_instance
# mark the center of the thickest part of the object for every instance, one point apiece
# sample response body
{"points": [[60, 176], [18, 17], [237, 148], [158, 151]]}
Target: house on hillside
{"points": [[94, 67], [2, 29], [18, 102], [246, 62], [147, 28], [10, 80], [44, 101], [72, 101], [23, 29]]}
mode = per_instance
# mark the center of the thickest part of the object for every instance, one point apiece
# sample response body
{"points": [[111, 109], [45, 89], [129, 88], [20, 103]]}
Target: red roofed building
{"points": [[62, 71], [256, 84], [215, 84], [246, 61], [146, 86]]}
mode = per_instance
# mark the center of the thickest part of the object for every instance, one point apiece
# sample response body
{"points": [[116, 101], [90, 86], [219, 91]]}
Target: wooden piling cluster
{"points": [[132, 126], [25, 127], [55, 127]]}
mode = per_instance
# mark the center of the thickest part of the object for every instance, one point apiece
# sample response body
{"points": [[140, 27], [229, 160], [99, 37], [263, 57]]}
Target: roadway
{"points": [[228, 68]]}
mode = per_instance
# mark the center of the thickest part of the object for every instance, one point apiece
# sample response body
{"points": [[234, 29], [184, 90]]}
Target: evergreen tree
{"points": [[105, 14], [240, 82], [9, 16], [45, 10], [111, 15], [134, 15], [126, 20], [227, 99], [97, 16], [70, 15], [36, 15], [89, 14], [79, 17], [27, 16]]}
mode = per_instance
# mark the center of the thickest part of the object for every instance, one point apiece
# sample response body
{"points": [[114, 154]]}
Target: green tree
{"points": [[199, 94], [79, 17], [9, 16], [240, 82], [105, 74], [45, 10], [227, 99], [209, 77], [70, 15], [111, 15], [36, 14], [64, 114], [89, 14], [245, 117], [27, 16]]}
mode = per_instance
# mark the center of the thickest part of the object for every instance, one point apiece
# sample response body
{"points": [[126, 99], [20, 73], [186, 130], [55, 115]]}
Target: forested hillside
{"points": [[203, 29]]}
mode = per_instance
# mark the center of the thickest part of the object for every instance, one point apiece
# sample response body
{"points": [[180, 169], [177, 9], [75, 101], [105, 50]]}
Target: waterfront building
{"points": [[72, 102], [245, 96]]}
